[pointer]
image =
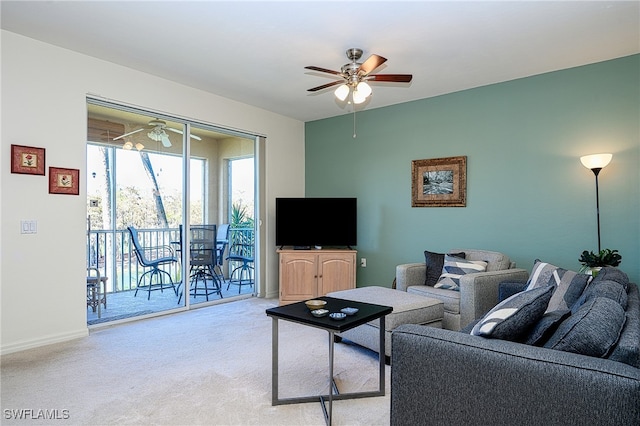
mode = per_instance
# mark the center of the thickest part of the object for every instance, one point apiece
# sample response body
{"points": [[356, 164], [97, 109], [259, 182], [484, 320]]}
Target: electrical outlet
{"points": [[93, 203], [363, 262]]}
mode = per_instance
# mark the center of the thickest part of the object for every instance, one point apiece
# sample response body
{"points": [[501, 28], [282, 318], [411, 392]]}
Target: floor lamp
{"points": [[595, 163]]}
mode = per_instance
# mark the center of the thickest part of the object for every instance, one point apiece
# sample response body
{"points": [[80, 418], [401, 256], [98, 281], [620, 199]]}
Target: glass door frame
{"points": [[258, 144]]}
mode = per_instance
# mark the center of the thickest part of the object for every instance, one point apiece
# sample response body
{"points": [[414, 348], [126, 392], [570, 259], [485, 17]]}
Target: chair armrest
{"points": [[409, 274], [479, 291], [165, 252]]}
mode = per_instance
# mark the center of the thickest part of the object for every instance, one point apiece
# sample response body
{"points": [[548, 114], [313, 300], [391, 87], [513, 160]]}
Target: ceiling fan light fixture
{"points": [[342, 92], [139, 146], [127, 145], [358, 97], [363, 89]]}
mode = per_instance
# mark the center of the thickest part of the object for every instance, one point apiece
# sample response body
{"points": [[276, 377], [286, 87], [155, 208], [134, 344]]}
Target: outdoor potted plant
{"points": [[593, 262]]}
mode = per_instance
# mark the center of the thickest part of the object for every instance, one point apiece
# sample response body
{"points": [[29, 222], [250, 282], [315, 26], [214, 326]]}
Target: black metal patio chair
{"points": [[204, 269], [153, 258], [241, 254]]}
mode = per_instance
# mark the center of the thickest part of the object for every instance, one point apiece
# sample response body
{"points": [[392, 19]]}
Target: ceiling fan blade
{"points": [[401, 78], [373, 62], [127, 134], [324, 86], [180, 131], [323, 70]]}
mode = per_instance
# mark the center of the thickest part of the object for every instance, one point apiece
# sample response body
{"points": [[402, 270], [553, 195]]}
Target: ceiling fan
{"points": [[354, 75], [157, 132]]}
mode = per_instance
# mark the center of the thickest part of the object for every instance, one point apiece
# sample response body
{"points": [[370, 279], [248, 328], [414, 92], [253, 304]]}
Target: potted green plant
{"points": [[593, 262]]}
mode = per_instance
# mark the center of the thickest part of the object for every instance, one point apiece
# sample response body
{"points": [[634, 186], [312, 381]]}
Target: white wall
{"points": [[44, 89]]}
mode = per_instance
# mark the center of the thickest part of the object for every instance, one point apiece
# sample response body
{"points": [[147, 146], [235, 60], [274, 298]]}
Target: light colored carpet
{"points": [[210, 366]]}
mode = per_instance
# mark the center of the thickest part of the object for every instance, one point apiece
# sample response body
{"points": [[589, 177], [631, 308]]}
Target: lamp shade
{"points": [[358, 98], [342, 92], [596, 161], [364, 89]]}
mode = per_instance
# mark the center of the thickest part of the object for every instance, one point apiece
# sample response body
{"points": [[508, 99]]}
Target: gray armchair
{"points": [[478, 291]]}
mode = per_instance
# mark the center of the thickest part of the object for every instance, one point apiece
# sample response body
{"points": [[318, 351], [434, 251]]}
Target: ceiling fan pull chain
{"points": [[354, 120]]}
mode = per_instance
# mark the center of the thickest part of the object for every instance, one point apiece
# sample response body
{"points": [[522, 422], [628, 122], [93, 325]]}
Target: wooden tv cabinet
{"points": [[305, 274]]}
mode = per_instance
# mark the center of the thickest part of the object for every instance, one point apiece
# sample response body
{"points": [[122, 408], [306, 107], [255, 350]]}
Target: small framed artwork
{"points": [[439, 182], [64, 181], [27, 160]]}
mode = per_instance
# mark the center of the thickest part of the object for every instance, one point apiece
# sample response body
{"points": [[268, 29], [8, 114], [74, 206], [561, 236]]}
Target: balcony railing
{"points": [[112, 252]]}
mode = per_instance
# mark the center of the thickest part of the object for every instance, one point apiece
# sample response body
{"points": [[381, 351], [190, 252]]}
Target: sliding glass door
{"points": [[161, 230]]}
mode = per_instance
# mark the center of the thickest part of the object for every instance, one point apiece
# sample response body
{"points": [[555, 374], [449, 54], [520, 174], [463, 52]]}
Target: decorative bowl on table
{"points": [[349, 311], [320, 312], [337, 315], [315, 304]]}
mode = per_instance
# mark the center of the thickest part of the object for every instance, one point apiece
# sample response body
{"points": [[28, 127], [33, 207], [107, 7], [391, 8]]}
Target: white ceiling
{"points": [[255, 52]]}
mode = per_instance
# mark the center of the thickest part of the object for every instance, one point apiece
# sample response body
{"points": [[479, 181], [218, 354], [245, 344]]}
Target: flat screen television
{"points": [[310, 222]]}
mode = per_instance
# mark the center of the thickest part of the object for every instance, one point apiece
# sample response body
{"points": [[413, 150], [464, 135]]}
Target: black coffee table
{"points": [[299, 313]]}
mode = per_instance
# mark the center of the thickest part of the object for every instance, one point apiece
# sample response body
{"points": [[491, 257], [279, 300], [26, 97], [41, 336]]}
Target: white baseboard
{"points": [[31, 344], [272, 295]]}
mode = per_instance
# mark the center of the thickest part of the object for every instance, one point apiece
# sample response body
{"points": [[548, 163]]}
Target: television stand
{"points": [[307, 274]]}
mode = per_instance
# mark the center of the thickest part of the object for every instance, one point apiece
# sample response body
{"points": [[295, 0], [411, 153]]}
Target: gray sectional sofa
{"points": [[441, 376]]}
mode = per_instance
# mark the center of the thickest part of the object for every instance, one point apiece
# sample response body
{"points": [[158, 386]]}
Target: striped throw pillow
{"points": [[454, 268], [569, 284]]}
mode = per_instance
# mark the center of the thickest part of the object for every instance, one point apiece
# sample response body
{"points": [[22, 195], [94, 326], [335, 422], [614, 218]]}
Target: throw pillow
{"points": [[611, 273], [570, 285], [513, 317], [435, 262], [604, 288], [544, 329], [456, 267], [592, 330]]}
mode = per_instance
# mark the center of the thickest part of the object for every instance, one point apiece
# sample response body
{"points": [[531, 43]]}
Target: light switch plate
{"points": [[28, 227]]}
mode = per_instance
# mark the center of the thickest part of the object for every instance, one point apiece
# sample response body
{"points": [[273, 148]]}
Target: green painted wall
{"points": [[528, 195]]}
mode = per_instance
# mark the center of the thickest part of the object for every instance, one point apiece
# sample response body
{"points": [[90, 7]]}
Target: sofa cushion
{"points": [[611, 273], [603, 288], [544, 329], [451, 299], [435, 262], [513, 317], [454, 268], [495, 261], [627, 349], [592, 330], [569, 284]]}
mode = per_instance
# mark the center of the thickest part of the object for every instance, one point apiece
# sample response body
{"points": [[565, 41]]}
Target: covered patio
{"points": [[112, 253], [124, 304]]}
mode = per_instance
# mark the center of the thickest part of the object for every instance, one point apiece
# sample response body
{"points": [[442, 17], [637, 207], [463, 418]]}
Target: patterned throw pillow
{"points": [[512, 318], [435, 262], [454, 268], [570, 285]]}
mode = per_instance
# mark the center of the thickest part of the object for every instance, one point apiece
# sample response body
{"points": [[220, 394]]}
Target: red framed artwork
{"points": [[64, 181], [27, 160]]}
